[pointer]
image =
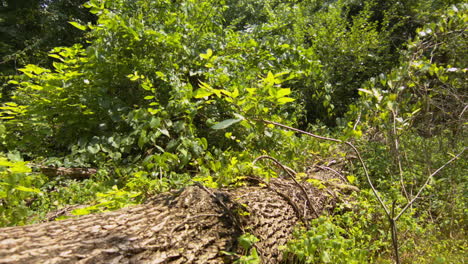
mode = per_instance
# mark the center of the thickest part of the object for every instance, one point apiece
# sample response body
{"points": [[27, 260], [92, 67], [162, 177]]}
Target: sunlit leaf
{"points": [[285, 100], [78, 25], [93, 149], [207, 55], [283, 92], [27, 189], [164, 132], [55, 56], [226, 123], [81, 211], [201, 93], [247, 240]]}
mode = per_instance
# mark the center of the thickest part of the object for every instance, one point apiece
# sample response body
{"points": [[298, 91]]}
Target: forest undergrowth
{"points": [[156, 95]]}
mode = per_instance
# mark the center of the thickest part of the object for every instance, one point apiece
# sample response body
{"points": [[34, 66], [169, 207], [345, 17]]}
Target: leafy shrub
{"points": [[18, 190], [413, 122], [325, 242], [170, 92]]}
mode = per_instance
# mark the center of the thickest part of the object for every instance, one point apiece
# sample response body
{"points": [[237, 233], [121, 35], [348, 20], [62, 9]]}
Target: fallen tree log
{"points": [[192, 225], [74, 173]]}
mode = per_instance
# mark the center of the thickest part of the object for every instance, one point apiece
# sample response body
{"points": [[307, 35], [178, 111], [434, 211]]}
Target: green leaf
{"points": [[270, 78], [283, 92], [365, 91], [78, 25], [247, 240], [155, 122], [284, 100], [226, 123], [255, 258], [326, 257], [93, 149], [252, 91], [19, 168], [55, 56], [31, 68], [26, 189], [351, 178], [82, 211], [207, 55], [201, 93], [142, 140], [164, 132], [235, 93]]}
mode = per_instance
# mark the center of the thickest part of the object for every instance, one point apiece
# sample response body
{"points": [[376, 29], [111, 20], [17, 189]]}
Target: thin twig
{"points": [[300, 131], [427, 182], [366, 172], [394, 233], [369, 181], [334, 171], [463, 111], [292, 174], [357, 121], [284, 167], [233, 217], [397, 154]]}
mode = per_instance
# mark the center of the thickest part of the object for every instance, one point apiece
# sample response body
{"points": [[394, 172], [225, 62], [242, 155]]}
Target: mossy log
{"points": [[192, 225]]}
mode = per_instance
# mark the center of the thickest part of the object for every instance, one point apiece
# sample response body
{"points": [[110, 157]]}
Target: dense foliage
{"points": [[157, 94]]}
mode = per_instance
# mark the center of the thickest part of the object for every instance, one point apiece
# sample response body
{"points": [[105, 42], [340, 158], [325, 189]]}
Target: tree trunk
{"points": [[193, 225], [74, 173]]}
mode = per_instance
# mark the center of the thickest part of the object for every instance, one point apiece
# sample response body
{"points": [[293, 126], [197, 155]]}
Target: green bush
{"points": [[19, 188]]}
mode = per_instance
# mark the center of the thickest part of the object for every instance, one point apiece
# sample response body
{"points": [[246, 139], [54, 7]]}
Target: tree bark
{"points": [[74, 173], [192, 225]]}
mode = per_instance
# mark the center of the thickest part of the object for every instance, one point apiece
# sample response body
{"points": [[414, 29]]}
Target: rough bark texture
{"points": [[193, 225], [74, 173]]}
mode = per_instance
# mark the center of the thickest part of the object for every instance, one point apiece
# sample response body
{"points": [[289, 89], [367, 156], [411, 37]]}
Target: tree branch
{"points": [[374, 190], [427, 182], [292, 174]]}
